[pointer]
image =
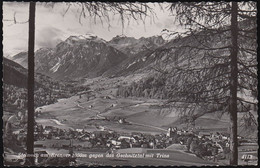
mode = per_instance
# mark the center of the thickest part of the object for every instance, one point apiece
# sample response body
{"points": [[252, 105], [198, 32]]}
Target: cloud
{"points": [[48, 37], [52, 27]]}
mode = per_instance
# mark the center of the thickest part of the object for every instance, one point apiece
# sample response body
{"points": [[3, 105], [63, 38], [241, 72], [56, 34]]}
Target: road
{"points": [[56, 122]]}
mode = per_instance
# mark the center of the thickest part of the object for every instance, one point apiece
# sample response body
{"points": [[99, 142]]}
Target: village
{"points": [[205, 145]]}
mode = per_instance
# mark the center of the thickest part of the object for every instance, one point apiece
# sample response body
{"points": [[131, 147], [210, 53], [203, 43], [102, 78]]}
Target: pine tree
{"points": [[222, 53]]}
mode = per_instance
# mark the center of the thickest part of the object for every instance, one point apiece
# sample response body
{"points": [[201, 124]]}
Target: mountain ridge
{"points": [[76, 57], [88, 55]]}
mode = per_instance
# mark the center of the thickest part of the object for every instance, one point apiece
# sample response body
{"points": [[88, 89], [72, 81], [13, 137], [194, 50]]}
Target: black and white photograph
{"points": [[95, 83]]}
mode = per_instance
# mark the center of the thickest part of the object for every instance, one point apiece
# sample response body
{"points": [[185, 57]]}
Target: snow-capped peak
{"points": [[83, 38], [87, 36]]}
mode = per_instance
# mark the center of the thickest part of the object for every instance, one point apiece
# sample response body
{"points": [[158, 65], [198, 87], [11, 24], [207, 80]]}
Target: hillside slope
{"points": [[132, 46], [76, 57]]}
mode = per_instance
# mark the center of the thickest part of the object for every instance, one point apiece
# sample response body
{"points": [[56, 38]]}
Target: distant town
{"points": [[209, 146]]}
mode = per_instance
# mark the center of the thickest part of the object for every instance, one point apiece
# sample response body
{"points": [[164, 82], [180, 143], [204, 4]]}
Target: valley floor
{"points": [[103, 110]]}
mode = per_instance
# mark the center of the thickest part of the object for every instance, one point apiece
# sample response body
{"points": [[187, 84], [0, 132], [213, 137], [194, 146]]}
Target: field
{"points": [[141, 114]]}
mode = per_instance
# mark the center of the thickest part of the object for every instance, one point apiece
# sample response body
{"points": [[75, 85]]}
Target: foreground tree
{"points": [[30, 106], [222, 61]]}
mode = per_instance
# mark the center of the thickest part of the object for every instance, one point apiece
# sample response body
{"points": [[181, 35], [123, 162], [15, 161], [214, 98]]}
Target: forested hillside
{"points": [[197, 67]]}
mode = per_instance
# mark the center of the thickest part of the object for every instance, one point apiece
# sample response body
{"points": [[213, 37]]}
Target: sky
{"points": [[52, 27]]}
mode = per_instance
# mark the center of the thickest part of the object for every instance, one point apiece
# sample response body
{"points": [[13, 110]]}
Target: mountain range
{"points": [[88, 55]]}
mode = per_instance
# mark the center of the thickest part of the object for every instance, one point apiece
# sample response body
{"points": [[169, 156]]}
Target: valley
{"points": [[102, 108], [127, 95], [103, 111]]}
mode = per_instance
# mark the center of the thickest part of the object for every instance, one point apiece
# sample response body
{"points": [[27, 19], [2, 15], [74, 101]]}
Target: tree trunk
{"points": [[30, 122], [233, 86]]}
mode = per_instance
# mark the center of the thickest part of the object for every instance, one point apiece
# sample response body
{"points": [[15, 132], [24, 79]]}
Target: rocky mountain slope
{"points": [[191, 51], [163, 56], [47, 90], [90, 56], [15, 87], [14, 74], [76, 57], [132, 46]]}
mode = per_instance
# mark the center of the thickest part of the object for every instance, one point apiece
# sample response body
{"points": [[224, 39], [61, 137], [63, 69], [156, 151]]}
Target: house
{"points": [[17, 132], [127, 138], [136, 144], [204, 135], [151, 145], [137, 134], [103, 134], [113, 105], [115, 142], [171, 131], [219, 147], [224, 137], [102, 128], [109, 144], [107, 97], [121, 120], [46, 132], [79, 130], [179, 132]]}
